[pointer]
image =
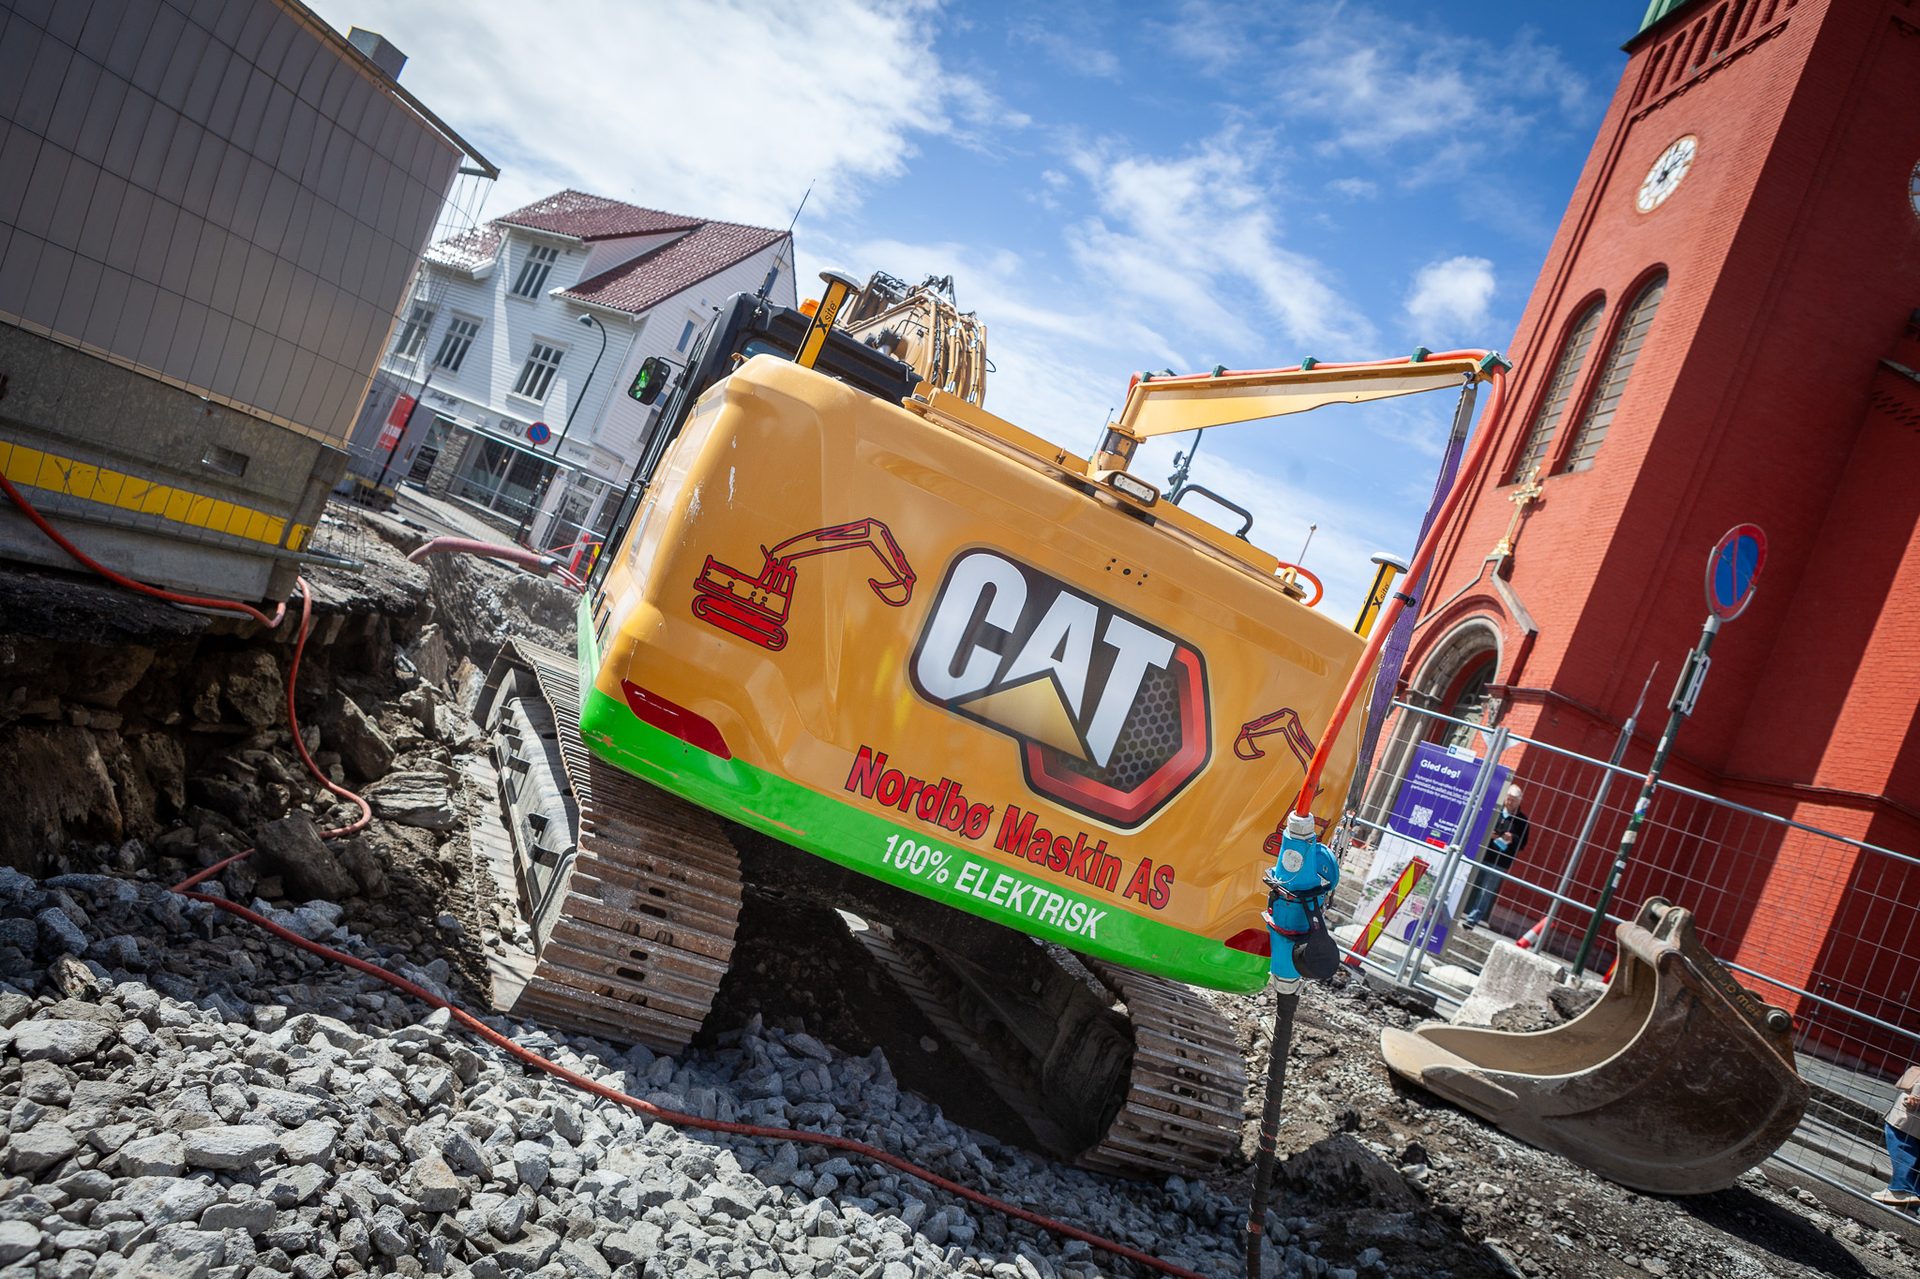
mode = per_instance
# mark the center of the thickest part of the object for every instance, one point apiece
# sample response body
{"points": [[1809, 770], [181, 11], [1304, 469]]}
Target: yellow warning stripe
{"points": [[38, 469]]}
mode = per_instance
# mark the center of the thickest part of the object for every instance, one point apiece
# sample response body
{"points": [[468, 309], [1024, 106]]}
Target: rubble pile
{"points": [[186, 1095], [183, 1094]]}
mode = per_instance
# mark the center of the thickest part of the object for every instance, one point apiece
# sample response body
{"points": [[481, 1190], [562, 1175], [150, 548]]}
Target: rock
{"points": [[228, 1147], [432, 1182], [46, 1083], [59, 1040], [533, 1164], [362, 746], [60, 933], [255, 1216], [162, 1200], [310, 1143], [294, 1186], [18, 1239], [430, 655], [161, 1156], [529, 1252], [45, 1144], [250, 685], [640, 1242], [415, 798], [291, 849]]}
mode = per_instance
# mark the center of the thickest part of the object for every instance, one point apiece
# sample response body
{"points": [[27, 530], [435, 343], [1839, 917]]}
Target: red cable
{"points": [[531, 1058], [293, 722], [120, 579]]}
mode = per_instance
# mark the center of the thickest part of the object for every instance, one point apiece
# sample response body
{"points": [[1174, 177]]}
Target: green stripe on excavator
{"points": [[858, 840]]}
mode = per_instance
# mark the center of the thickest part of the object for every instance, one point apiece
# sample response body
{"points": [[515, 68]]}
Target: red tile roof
{"points": [[594, 217], [652, 278], [705, 249], [468, 250]]}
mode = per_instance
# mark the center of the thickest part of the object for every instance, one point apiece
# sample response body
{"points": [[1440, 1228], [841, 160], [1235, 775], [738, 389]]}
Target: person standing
{"points": [[1503, 845], [1903, 1143]]}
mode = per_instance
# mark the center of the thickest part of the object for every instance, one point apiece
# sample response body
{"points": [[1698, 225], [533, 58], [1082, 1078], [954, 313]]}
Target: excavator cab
{"points": [[1676, 1082]]}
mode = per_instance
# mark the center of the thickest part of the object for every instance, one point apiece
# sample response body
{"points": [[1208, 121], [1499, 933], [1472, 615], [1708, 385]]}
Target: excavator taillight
{"points": [[671, 717], [1255, 941]]}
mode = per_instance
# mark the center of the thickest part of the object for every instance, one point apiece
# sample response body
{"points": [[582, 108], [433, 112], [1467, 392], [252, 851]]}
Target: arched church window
{"points": [[1573, 356], [1627, 342]]}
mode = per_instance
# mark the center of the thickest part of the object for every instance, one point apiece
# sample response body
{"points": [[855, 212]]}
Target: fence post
{"points": [[1684, 695], [1416, 950], [1599, 803]]}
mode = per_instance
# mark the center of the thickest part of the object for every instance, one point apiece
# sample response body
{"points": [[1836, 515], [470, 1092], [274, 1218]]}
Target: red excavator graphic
{"points": [[755, 606]]}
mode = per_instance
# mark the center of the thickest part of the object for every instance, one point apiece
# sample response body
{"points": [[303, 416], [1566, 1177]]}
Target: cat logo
{"points": [[1110, 711]]}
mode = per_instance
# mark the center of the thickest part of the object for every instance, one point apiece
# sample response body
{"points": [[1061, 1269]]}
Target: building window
{"points": [[534, 270], [686, 335], [1612, 385], [453, 347], [413, 333], [1573, 357], [537, 375]]}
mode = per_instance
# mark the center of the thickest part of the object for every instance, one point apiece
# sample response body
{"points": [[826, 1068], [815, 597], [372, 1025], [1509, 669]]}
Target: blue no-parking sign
{"points": [[539, 433], [1733, 568]]}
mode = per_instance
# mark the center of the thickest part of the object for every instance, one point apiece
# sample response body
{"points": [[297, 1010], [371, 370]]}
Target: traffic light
{"points": [[650, 380]]}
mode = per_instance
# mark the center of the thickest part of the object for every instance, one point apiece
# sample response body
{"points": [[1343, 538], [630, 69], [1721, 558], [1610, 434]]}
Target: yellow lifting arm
{"points": [[1169, 405]]}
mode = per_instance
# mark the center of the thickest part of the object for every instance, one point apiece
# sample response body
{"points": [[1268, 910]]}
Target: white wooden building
{"points": [[504, 333]]}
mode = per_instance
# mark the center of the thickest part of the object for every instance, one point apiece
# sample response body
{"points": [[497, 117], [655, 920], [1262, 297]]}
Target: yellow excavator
{"points": [[859, 642]]}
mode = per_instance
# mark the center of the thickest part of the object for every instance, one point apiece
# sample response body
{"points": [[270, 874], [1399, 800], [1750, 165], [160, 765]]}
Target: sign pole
{"points": [[1692, 676], [1733, 568]]}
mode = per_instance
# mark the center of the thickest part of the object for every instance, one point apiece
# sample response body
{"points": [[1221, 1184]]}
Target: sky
{"points": [[1113, 187]]}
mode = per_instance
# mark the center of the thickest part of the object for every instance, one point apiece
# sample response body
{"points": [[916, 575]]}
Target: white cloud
{"points": [[1067, 41], [1195, 236], [720, 109], [1355, 188], [1448, 300], [1425, 101]]}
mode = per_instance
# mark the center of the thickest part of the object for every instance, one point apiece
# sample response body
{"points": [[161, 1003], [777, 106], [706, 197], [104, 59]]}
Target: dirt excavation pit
{"points": [[184, 1094]]}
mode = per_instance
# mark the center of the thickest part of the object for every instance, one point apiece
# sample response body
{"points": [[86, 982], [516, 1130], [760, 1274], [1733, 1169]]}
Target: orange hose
{"points": [[533, 561], [1383, 625]]}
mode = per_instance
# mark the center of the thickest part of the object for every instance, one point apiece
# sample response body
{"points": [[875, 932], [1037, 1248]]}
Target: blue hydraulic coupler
{"points": [[1302, 878]]}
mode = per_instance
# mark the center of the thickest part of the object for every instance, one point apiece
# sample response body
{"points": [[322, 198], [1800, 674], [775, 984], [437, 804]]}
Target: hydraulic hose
{"points": [[533, 561], [59, 539], [677, 1118], [1383, 625]]}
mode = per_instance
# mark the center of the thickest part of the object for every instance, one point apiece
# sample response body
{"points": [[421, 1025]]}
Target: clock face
{"points": [[1665, 175]]}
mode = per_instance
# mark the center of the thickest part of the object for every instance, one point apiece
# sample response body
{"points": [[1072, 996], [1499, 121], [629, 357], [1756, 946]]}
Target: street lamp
{"points": [[546, 483]]}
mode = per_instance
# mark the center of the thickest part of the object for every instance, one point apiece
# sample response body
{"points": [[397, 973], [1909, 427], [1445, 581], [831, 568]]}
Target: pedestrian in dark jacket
{"points": [[1503, 845]]}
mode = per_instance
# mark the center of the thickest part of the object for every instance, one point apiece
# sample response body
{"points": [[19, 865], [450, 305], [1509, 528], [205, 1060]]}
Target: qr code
{"points": [[1422, 817]]}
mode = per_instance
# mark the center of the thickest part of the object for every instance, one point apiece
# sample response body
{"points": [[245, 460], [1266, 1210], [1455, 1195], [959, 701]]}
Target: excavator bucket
{"points": [[1676, 1082]]}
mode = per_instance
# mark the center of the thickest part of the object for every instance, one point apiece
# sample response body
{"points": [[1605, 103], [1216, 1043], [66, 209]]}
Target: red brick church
{"points": [[1724, 330]]}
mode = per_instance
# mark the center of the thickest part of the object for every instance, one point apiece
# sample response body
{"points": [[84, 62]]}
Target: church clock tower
{"points": [[1724, 330]]}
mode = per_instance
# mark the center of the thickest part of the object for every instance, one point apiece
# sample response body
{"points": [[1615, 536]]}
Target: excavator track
{"points": [[1184, 1089], [634, 923], [633, 899]]}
